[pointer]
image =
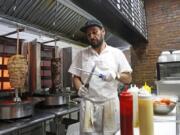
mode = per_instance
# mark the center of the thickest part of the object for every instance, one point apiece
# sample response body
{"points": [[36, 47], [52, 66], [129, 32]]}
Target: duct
{"points": [[48, 15], [54, 18], [124, 18]]}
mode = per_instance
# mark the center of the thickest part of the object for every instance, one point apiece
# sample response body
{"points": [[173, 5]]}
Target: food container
{"points": [[163, 105], [145, 103], [134, 91], [176, 55], [126, 113], [54, 99], [165, 56]]}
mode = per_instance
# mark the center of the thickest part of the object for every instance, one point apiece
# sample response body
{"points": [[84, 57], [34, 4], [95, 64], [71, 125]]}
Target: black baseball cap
{"points": [[91, 23]]}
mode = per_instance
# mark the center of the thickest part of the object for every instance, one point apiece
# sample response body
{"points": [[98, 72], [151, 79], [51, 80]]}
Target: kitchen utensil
{"points": [[99, 75], [89, 77], [163, 105], [162, 109], [56, 99]]}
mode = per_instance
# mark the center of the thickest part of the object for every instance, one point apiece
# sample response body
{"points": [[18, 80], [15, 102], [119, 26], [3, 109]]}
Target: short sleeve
{"points": [[76, 63], [123, 64]]}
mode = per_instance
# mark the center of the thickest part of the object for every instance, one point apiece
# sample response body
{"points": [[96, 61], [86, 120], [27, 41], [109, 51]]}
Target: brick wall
{"points": [[163, 23]]}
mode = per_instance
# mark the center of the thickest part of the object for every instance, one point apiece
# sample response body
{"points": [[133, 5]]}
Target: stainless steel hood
{"points": [[58, 17], [124, 18]]}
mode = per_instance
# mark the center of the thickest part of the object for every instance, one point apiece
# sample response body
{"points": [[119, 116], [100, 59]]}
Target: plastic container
{"points": [[147, 87], [166, 56], [145, 115], [134, 91], [176, 55], [126, 113]]}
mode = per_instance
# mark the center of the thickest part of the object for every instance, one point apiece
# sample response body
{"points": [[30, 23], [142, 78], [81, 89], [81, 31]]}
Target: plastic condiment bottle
{"points": [[126, 113], [134, 91], [147, 87], [145, 114]]}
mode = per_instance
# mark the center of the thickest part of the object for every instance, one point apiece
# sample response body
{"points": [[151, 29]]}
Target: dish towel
{"points": [[88, 119], [109, 117]]}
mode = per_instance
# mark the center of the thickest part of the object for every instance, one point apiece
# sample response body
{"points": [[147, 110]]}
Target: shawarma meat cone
{"points": [[17, 69]]}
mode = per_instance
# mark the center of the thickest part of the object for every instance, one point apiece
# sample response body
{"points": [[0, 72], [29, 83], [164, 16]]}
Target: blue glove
{"points": [[83, 91], [109, 76]]}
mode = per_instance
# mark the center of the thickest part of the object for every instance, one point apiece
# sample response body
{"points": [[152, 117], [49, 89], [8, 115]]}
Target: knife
{"points": [[99, 75], [89, 77]]}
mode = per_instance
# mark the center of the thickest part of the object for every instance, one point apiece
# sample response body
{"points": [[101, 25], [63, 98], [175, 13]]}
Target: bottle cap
{"points": [[147, 87]]}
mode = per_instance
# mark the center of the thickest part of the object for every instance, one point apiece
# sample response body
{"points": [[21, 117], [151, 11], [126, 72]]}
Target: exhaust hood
{"points": [[124, 18], [58, 17], [47, 15]]}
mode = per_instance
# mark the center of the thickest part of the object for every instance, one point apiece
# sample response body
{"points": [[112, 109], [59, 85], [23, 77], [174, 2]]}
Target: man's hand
{"points": [[82, 92], [109, 76]]}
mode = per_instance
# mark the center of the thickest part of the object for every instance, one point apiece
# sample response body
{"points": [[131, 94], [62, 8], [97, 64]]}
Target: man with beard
{"points": [[99, 112]]}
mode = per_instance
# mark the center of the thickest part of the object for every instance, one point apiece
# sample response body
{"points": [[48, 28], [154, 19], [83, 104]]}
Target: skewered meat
{"points": [[17, 69], [55, 72]]}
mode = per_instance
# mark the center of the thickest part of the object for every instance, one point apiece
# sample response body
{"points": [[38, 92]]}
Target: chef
{"points": [[99, 113]]}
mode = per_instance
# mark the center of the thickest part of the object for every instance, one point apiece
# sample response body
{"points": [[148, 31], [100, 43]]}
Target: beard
{"points": [[97, 44]]}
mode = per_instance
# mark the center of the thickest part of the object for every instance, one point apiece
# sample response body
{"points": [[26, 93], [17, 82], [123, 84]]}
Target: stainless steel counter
{"points": [[40, 116], [7, 126], [60, 111]]}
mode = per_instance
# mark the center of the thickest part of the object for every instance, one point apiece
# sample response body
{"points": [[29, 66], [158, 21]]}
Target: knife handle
{"points": [[87, 86]]}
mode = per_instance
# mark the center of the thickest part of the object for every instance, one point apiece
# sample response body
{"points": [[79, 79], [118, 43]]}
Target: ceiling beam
{"points": [[54, 40], [13, 32]]}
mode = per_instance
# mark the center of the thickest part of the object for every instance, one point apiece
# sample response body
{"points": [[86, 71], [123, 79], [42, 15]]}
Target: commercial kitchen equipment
{"points": [[49, 76], [14, 110], [39, 123], [168, 78], [168, 81], [15, 106]]}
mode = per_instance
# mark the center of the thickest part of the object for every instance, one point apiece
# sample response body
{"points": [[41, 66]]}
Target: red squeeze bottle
{"points": [[126, 113]]}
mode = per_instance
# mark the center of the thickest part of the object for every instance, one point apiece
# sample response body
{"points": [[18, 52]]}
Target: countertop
{"points": [[7, 126], [163, 124], [59, 111]]}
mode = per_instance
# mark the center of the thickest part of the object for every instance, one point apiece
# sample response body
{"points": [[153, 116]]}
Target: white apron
{"points": [[99, 118]]}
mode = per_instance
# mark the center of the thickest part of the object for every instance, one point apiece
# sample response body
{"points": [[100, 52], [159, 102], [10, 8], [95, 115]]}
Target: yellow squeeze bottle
{"points": [[146, 115], [147, 88]]}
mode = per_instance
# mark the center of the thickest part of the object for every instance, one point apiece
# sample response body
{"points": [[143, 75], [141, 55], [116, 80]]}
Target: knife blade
{"points": [[86, 71], [89, 77], [96, 74]]}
